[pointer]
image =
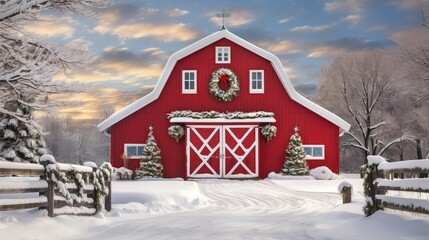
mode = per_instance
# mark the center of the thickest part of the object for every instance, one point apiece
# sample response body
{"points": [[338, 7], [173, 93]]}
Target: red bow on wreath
{"points": [[223, 78]]}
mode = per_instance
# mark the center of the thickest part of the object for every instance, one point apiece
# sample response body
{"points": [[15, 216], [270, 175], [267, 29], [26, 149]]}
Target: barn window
{"points": [[223, 55], [315, 152], [256, 81], [133, 150], [189, 81]]}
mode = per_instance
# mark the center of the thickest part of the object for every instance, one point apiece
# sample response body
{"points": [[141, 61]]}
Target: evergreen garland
{"points": [[295, 161], [150, 164], [214, 114], [268, 132], [80, 179], [176, 132]]}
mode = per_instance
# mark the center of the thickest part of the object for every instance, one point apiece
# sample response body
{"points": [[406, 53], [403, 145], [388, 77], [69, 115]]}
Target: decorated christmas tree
{"points": [[150, 164], [21, 138], [295, 163]]}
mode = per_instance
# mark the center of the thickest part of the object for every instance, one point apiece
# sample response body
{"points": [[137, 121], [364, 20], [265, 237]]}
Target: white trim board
{"points": [[171, 63], [222, 120]]}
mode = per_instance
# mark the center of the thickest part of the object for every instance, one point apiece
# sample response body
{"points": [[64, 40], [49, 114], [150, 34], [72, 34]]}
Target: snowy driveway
{"points": [[236, 210], [221, 209]]}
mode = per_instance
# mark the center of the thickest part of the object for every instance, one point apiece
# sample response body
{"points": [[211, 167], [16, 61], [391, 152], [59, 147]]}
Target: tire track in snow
{"points": [[237, 210], [263, 196]]}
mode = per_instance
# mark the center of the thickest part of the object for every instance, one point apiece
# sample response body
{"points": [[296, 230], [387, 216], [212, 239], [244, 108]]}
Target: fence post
{"points": [[94, 175], [108, 197], [50, 192], [347, 195]]}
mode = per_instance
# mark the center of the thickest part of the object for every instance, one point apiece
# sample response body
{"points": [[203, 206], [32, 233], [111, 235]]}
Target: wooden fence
{"points": [[19, 180], [408, 179]]}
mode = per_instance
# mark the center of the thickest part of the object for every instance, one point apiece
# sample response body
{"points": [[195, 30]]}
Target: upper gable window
{"points": [[256, 81], [223, 54], [189, 81]]}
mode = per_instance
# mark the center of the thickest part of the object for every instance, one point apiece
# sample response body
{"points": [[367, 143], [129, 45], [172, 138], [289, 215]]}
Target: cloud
{"points": [[306, 89], [307, 28], [122, 61], [126, 21], [50, 29], [354, 19], [408, 4], [284, 20], [348, 5], [177, 12], [238, 17], [376, 28], [87, 104], [161, 32], [355, 7], [280, 47], [342, 45]]}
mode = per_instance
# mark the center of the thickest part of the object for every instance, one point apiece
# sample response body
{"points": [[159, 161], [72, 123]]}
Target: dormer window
{"points": [[189, 81], [223, 54]]}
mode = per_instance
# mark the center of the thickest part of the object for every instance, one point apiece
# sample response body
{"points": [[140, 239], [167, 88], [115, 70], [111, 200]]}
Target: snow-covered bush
{"points": [[122, 173], [323, 173]]}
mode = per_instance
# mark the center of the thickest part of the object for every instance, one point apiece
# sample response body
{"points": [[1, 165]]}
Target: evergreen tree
{"points": [[150, 164], [295, 163], [21, 138]]}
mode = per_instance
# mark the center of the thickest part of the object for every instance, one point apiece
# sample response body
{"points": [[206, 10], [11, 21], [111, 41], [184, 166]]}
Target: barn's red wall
{"points": [[288, 113]]}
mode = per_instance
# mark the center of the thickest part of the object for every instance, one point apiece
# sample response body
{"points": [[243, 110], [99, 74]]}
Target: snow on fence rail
{"points": [[409, 178], [62, 188]]}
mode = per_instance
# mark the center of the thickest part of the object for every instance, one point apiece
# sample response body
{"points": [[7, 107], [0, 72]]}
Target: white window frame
{"points": [[126, 145], [318, 157], [251, 90], [189, 91], [223, 49]]}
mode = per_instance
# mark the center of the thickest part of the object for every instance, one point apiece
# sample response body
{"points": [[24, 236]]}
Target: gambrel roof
{"points": [[294, 95]]}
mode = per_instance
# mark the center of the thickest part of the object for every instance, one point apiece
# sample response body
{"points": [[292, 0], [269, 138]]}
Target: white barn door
{"points": [[229, 151]]}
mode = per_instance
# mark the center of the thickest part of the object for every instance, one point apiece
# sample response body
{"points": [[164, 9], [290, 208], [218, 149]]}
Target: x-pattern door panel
{"points": [[229, 151], [240, 151], [203, 151]]}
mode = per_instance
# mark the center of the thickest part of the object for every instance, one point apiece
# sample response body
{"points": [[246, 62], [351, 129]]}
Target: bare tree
{"points": [[361, 85]]}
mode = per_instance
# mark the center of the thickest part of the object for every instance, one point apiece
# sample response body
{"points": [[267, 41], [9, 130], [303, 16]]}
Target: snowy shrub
{"points": [[323, 173]]}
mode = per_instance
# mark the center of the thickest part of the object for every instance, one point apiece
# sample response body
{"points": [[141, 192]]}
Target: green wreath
{"points": [[224, 75]]}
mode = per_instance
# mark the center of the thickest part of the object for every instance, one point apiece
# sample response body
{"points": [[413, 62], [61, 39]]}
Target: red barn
{"points": [[249, 89]]}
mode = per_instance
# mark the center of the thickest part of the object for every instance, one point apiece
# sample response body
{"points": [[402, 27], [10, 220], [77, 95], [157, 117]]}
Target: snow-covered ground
{"points": [[223, 209]]}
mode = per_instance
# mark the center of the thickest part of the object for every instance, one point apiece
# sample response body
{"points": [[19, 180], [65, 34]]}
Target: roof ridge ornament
{"points": [[223, 14]]}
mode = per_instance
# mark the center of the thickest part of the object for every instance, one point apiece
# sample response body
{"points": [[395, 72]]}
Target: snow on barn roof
{"points": [[133, 107]]}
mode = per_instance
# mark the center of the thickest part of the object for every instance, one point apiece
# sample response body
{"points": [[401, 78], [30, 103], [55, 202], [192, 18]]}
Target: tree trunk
{"points": [[419, 149]]}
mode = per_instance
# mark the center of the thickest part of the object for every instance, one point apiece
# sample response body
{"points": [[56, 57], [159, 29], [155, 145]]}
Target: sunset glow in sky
{"points": [[132, 40]]}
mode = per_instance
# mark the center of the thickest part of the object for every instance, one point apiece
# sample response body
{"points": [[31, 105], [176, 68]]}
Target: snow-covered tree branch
{"points": [[28, 68]]}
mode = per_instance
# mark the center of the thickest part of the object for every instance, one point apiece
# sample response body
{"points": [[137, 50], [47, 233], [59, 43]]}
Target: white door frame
{"points": [[221, 147]]}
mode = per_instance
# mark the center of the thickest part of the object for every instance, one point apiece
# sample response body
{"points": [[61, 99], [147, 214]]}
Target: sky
{"points": [[132, 40]]}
